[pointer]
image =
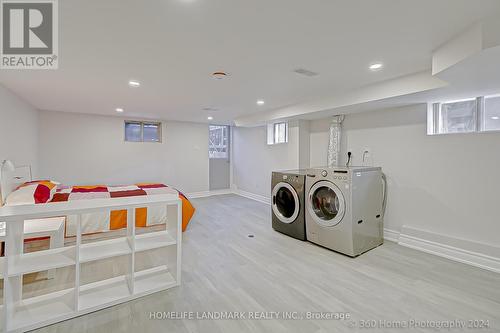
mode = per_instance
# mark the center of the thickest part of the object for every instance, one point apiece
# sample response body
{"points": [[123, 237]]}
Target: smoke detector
{"points": [[219, 75], [305, 72]]}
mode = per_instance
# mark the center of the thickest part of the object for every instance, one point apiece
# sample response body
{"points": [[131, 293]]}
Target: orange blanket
{"points": [[118, 218]]}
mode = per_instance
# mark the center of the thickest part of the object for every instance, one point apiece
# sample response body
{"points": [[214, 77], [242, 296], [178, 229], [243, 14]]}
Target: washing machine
{"points": [[288, 203], [345, 207]]}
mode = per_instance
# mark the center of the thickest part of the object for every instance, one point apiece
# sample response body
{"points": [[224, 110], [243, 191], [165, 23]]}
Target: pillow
{"points": [[35, 192]]}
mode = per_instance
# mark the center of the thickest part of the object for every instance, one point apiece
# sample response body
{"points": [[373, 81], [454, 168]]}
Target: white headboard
{"points": [[10, 178]]}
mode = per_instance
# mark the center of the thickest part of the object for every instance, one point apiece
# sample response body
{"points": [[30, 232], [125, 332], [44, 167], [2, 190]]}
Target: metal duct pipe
{"points": [[334, 144]]}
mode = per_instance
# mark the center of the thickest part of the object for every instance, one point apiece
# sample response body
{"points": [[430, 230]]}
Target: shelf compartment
{"points": [[42, 310], [41, 260], [153, 240], [105, 292], [153, 279], [104, 249]]}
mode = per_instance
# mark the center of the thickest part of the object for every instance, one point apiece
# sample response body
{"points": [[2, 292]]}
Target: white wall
{"points": [[446, 184], [304, 144], [318, 143], [18, 130], [90, 149], [254, 160]]}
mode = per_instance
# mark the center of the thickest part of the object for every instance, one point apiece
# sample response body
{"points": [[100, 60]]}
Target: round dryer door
{"points": [[286, 203], [326, 204]]}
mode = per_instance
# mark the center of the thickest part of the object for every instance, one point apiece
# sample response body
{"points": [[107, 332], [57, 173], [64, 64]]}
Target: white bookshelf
{"points": [[22, 314]]}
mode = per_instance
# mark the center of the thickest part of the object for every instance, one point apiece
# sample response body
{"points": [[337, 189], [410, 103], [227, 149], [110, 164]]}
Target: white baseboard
{"points": [[204, 194], [195, 195], [472, 253], [256, 197], [391, 235]]}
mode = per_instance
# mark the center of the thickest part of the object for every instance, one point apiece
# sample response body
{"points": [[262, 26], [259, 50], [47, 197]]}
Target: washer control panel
{"points": [[341, 175]]}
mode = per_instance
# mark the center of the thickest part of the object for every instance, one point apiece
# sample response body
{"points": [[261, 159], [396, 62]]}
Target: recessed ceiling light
{"points": [[210, 118], [134, 83], [376, 66], [260, 102], [495, 118], [119, 110]]}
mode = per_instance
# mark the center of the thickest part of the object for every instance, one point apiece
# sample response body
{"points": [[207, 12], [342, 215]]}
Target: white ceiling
{"points": [[173, 46]]}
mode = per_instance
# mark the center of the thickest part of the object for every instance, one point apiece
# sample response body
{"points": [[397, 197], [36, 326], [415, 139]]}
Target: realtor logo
{"points": [[29, 34]]}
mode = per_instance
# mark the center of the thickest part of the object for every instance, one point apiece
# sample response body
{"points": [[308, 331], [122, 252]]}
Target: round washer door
{"points": [[286, 203], [326, 204]]}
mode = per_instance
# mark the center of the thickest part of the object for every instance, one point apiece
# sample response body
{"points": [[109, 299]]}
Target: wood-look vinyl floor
{"points": [[225, 270]]}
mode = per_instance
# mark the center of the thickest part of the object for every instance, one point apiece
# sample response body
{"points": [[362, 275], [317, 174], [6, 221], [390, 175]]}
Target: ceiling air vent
{"points": [[305, 72]]}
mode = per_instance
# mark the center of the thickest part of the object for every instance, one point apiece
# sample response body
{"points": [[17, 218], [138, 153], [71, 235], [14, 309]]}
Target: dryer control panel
{"points": [[292, 178]]}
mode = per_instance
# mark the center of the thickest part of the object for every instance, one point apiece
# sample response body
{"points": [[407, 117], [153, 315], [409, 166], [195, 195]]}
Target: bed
{"points": [[49, 191]]}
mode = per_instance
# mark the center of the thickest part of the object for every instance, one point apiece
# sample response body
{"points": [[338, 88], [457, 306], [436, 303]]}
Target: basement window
{"points": [[142, 131], [218, 141], [473, 115], [458, 117], [491, 119], [277, 133]]}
